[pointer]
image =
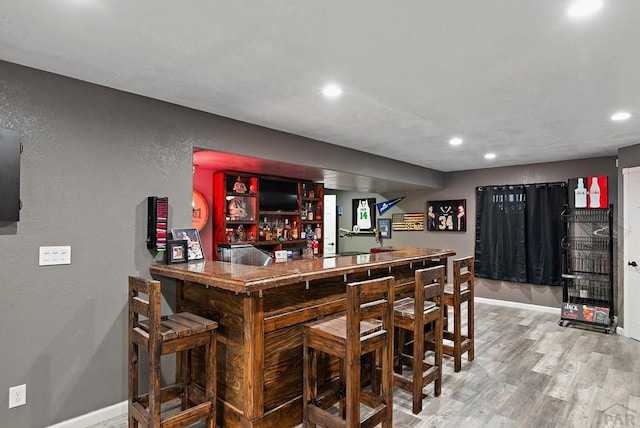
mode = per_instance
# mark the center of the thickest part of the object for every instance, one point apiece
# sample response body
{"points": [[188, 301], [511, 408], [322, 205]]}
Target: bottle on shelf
{"points": [[287, 230], [580, 194], [312, 193], [261, 230], [309, 233], [318, 231], [318, 214], [594, 193], [315, 246], [267, 231], [304, 190], [294, 230], [242, 235], [279, 230], [309, 212]]}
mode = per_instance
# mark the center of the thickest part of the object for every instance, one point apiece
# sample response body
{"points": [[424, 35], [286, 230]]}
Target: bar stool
{"points": [[179, 333], [366, 328], [412, 314], [455, 295]]}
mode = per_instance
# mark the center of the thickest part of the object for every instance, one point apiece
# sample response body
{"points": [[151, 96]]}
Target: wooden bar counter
{"points": [[261, 310]]}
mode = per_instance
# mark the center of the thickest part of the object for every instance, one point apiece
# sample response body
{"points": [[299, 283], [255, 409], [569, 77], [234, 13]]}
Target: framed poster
{"points": [[447, 216], [384, 228], [177, 251], [194, 246], [364, 214]]}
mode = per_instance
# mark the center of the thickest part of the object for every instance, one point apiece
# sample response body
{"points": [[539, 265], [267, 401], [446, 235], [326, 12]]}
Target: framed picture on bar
{"points": [[177, 251], [194, 246], [447, 216]]}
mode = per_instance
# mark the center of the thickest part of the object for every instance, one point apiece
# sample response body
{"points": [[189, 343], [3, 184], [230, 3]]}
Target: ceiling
{"points": [[516, 78]]}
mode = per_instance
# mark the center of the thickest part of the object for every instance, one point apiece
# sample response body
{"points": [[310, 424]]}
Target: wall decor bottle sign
{"points": [[589, 192]]}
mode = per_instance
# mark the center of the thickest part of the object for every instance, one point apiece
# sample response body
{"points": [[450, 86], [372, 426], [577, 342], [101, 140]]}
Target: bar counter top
{"points": [[250, 279]]}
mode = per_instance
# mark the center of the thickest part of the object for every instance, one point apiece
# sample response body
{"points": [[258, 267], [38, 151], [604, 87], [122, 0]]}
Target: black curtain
{"points": [[500, 251], [544, 232], [519, 230]]}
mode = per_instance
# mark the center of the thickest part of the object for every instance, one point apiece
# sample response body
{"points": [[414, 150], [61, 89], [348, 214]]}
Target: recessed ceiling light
{"points": [[620, 116], [332, 91], [455, 141], [583, 8], [490, 156]]}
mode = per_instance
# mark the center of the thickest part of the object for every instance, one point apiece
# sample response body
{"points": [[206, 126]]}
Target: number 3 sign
{"points": [[447, 216]]}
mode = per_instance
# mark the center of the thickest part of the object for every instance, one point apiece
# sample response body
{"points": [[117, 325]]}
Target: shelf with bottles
{"points": [[310, 191], [279, 227], [236, 233]]}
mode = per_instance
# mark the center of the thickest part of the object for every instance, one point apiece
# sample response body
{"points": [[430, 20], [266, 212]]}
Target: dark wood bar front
{"points": [[261, 310]]}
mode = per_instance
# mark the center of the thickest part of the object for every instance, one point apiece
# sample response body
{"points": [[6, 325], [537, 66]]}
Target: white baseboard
{"points": [[518, 305], [95, 417]]}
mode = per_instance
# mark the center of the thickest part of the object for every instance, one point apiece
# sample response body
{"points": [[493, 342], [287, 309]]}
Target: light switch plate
{"points": [[60, 255]]}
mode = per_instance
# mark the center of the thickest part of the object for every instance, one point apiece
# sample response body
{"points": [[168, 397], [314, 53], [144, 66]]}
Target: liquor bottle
{"points": [[312, 193], [318, 215], [303, 214], [294, 230], [581, 195], [594, 193], [318, 231], [309, 233], [315, 246], [304, 190], [309, 212], [261, 231], [279, 230], [267, 231], [287, 230]]}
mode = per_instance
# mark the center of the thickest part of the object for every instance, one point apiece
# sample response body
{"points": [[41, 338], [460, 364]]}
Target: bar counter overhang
{"points": [[261, 311]]}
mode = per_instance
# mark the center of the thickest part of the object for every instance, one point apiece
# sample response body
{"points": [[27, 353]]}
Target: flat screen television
{"points": [[276, 195]]}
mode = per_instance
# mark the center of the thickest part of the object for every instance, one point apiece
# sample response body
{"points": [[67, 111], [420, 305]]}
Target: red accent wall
{"points": [[203, 183]]}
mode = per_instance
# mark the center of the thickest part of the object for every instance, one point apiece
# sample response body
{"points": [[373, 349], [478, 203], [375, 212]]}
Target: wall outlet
{"points": [[17, 396]]}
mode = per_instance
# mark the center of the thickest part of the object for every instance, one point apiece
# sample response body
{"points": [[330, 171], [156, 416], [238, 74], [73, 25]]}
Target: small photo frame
{"points": [[194, 245], [177, 251], [384, 228]]}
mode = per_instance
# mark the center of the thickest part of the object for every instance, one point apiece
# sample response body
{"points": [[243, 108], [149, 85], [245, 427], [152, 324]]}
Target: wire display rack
{"points": [[587, 266]]}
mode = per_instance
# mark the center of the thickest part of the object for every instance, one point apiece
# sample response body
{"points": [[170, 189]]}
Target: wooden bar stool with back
{"points": [[180, 334], [455, 295], [366, 328], [412, 315]]}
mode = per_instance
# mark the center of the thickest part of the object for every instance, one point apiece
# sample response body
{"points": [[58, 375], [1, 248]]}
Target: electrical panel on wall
{"points": [[10, 149], [157, 220]]}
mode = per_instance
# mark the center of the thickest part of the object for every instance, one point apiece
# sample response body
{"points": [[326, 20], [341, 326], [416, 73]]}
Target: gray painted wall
{"points": [[92, 156], [461, 185]]}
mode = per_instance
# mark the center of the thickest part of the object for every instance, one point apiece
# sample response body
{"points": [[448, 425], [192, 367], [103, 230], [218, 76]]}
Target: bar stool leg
{"points": [[310, 385], [418, 357], [457, 337], [470, 327], [438, 349], [353, 388], [211, 378]]}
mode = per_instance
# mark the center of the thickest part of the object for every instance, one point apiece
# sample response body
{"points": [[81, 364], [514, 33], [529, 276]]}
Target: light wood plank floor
{"points": [[528, 372]]}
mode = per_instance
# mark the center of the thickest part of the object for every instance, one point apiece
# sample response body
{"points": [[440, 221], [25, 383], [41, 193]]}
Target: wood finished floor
{"points": [[528, 372]]}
